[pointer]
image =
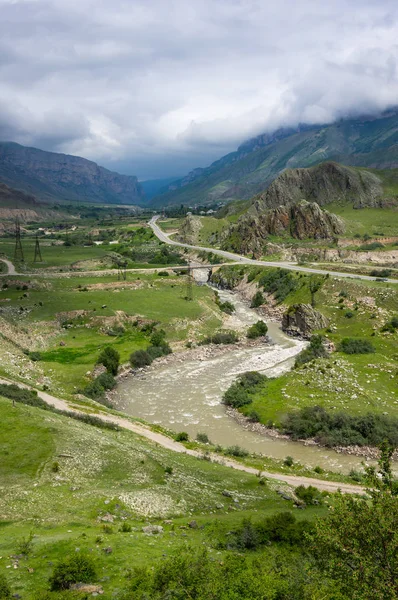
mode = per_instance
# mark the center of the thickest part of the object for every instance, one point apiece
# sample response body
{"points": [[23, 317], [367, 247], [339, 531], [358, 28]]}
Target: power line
{"points": [[37, 257], [18, 251]]}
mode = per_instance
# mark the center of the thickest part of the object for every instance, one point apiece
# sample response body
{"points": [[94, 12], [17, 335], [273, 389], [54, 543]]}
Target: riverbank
{"points": [[365, 452]]}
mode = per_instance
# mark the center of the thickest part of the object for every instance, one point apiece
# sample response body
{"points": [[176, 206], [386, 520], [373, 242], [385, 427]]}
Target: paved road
{"points": [[170, 444], [237, 258]]}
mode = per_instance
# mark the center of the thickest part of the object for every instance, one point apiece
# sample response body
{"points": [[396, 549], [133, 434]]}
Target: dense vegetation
{"points": [[239, 393], [315, 349], [256, 330], [341, 429], [278, 282]]}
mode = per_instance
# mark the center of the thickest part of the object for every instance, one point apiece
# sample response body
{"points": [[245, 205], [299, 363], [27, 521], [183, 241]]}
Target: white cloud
{"points": [[155, 86]]}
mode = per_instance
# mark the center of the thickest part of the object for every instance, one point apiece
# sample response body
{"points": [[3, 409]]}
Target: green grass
{"points": [[107, 472], [366, 220], [355, 383], [49, 303], [53, 256]]}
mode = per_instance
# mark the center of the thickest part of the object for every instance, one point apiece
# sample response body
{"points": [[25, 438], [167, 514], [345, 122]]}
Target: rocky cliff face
{"points": [[323, 184], [301, 221], [53, 177], [303, 320]]}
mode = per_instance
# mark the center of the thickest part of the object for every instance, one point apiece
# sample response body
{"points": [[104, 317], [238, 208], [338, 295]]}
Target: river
{"points": [[185, 395]]}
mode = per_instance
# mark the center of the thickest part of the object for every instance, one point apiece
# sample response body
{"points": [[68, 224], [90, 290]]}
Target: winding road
{"points": [[237, 258], [170, 444]]}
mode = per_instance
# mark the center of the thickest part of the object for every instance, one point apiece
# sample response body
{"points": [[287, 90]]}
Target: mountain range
{"points": [[53, 177], [369, 141]]}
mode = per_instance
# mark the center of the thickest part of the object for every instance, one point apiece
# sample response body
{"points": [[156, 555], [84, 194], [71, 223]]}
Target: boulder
{"points": [[152, 529], [303, 320]]}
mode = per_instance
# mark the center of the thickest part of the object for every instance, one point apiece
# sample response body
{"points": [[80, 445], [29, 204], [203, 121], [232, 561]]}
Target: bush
{"points": [[288, 461], [125, 528], [236, 451], [5, 591], [35, 356], [257, 300], [30, 397], [309, 495], [341, 429], [226, 307], [316, 349], [279, 282], [349, 314], [371, 246], [110, 358], [238, 394], [259, 329], [94, 390], [140, 358], [355, 346], [182, 437], [163, 274], [107, 381], [381, 273], [203, 438], [223, 337], [78, 568]]}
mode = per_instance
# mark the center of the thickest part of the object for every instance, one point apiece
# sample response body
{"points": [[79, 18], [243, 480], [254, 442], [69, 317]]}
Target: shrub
{"points": [[168, 470], [257, 300], [355, 346], [259, 329], [381, 273], [94, 390], [349, 314], [309, 495], [371, 246], [163, 274], [226, 307], [222, 337], [107, 381], [30, 397], [288, 461], [316, 349], [182, 437], [236, 451], [279, 282], [110, 358], [140, 358], [340, 429], [125, 528], [254, 416], [203, 438], [238, 394], [78, 568], [35, 356], [5, 591]]}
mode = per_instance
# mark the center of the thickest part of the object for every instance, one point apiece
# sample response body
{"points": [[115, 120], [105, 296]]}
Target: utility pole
{"points": [[37, 257], [18, 251]]}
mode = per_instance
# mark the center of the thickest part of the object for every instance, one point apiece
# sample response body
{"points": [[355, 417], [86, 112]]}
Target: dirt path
{"points": [[10, 266], [170, 444]]}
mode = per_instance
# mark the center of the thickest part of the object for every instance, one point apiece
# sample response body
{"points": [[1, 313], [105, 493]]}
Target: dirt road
{"points": [[170, 444]]}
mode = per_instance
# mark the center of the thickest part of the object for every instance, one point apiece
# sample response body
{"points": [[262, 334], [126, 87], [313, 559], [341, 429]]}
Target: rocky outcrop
{"points": [[304, 220], [323, 184], [52, 177], [303, 320], [189, 230]]}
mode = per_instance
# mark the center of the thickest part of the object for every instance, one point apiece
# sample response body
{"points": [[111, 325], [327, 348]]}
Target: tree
{"points": [[357, 543], [110, 358], [315, 285]]}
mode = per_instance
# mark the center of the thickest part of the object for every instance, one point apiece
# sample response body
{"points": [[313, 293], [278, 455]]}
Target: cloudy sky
{"points": [[157, 87]]}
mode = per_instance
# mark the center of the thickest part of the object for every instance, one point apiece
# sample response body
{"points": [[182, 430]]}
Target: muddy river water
{"points": [[186, 395]]}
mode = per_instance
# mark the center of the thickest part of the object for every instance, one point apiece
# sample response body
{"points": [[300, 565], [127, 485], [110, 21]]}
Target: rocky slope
{"points": [[61, 177], [370, 141], [303, 320], [291, 206], [301, 221]]}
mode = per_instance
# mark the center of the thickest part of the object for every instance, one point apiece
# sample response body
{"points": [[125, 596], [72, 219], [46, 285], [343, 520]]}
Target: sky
{"points": [[155, 88]]}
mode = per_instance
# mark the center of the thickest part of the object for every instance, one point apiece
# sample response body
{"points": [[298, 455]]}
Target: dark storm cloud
{"points": [[156, 87]]}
